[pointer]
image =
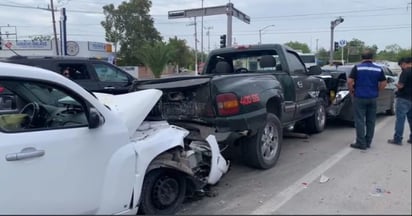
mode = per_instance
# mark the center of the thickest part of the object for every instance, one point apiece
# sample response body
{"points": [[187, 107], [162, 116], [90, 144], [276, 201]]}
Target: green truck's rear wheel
{"points": [[262, 149]]}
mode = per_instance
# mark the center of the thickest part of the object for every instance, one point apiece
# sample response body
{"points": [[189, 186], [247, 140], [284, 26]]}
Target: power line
{"points": [[263, 17], [289, 19], [48, 9], [238, 33], [333, 13], [24, 7]]}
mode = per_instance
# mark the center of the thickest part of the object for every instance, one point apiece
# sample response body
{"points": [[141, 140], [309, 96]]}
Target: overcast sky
{"points": [[379, 22]]}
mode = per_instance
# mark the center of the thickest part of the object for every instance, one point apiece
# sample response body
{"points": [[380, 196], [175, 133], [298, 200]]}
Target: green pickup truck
{"points": [[246, 96]]}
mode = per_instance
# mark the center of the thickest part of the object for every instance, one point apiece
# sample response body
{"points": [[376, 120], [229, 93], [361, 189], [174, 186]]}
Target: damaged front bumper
{"points": [[341, 106], [202, 156], [200, 159]]}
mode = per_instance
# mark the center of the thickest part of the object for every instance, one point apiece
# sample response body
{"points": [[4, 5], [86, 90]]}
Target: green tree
{"points": [[323, 56], [41, 37], [301, 47], [404, 53], [352, 51], [393, 52], [131, 25], [111, 25], [155, 56], [181, 53]]}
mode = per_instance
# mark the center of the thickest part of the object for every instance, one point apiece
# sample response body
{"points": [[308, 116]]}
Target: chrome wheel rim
{"points": [[270, 142]]}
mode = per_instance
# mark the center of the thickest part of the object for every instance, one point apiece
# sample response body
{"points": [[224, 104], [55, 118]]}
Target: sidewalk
{"points": [[376, 181]]}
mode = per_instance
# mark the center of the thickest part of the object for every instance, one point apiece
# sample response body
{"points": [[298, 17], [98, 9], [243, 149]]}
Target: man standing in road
{"points": [[403, 101], [365, 81]]}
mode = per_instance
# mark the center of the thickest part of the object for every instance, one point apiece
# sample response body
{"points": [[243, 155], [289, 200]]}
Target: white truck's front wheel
{"points": [[163, 192]]}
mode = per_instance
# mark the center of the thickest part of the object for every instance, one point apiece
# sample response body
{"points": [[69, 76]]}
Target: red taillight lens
{"points": [[1, 89], [227, 104]]}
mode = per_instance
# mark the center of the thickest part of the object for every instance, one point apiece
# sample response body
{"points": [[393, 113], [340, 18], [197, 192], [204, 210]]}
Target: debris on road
{"points": [[323, 179], [305, 185], [378, 191], [296, 135]]}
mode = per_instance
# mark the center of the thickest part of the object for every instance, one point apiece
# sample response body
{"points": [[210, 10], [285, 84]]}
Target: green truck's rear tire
{"points": [[262, 150]]}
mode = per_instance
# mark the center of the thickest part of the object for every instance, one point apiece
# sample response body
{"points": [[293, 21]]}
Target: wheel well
{"points": [[170, 159], [274, 106]]}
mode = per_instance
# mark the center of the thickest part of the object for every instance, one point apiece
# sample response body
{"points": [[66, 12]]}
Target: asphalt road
{"points": [[376, 181]]}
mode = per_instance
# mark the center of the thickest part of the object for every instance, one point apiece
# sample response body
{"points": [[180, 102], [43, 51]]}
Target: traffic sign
{"points": [[8, 44], [342, 43]]}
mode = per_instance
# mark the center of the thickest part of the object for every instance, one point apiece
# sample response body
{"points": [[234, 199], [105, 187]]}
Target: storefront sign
{"points": [[30, 45], [97, 46]]}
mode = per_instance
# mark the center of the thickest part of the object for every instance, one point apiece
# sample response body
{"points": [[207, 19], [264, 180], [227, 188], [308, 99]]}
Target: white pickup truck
{"points": [[64, 150]]}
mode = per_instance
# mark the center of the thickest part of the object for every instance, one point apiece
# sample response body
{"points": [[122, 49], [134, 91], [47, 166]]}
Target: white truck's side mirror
{"points": [[95, 119]]}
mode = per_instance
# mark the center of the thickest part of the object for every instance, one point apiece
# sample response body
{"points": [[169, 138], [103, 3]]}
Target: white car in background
{"points": [[63, 151]]}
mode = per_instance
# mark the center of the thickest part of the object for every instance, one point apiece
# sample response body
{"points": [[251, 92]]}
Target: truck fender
{"points": [[150, 147]]}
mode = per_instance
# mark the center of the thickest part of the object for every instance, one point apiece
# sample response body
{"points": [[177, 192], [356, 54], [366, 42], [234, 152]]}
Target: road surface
{"points": [[376, 181]]}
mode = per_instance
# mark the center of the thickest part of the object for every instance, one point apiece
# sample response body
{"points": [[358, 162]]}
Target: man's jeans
{"points": [[364, 118], [403, 110]]}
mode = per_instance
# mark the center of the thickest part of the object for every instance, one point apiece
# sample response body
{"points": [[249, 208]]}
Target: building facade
{"points": [[48, 48]]}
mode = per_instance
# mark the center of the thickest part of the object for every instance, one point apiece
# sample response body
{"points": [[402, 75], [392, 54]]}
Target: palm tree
{"points": [[155, 56]]}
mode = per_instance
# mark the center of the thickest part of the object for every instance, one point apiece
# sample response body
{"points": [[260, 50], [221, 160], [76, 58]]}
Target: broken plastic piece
{"points": [[323, 179], [219, 165], [377, 191]]}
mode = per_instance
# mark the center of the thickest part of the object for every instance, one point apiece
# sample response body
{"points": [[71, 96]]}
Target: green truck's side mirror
{"points": [[315, 70]]}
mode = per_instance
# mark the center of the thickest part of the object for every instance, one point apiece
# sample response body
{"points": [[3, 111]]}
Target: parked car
{"points": [[66, 151], [340, 99], [92, 74]]}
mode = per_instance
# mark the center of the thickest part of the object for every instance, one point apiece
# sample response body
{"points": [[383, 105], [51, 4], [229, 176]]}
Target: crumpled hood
{"points": [[132, 107]]}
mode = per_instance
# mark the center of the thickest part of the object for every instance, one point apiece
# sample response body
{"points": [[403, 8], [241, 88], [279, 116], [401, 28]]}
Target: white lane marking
{"points": [[273, 204]]}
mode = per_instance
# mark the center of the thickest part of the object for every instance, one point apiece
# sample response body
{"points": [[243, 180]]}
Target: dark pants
{"points": [[403, 111], [364, 118]]}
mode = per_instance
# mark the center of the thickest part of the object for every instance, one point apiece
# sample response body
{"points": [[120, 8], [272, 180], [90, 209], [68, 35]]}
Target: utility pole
{"points": [[63, 32], [201, 37], [196, 72], [195, 24], [208, 36], [317, 42], [54, 27]]}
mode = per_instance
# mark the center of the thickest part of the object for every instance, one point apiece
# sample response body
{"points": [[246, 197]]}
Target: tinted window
{"points": [[76, 71], [295, 64], [308, 58], [106, 73], [249, 60]]}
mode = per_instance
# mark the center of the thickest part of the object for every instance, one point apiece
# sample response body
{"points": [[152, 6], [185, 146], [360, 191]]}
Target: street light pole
{"points": [[333, 24], [260, 32]]}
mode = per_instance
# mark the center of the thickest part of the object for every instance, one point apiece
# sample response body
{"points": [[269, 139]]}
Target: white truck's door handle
{"points": [[26, 153]]}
